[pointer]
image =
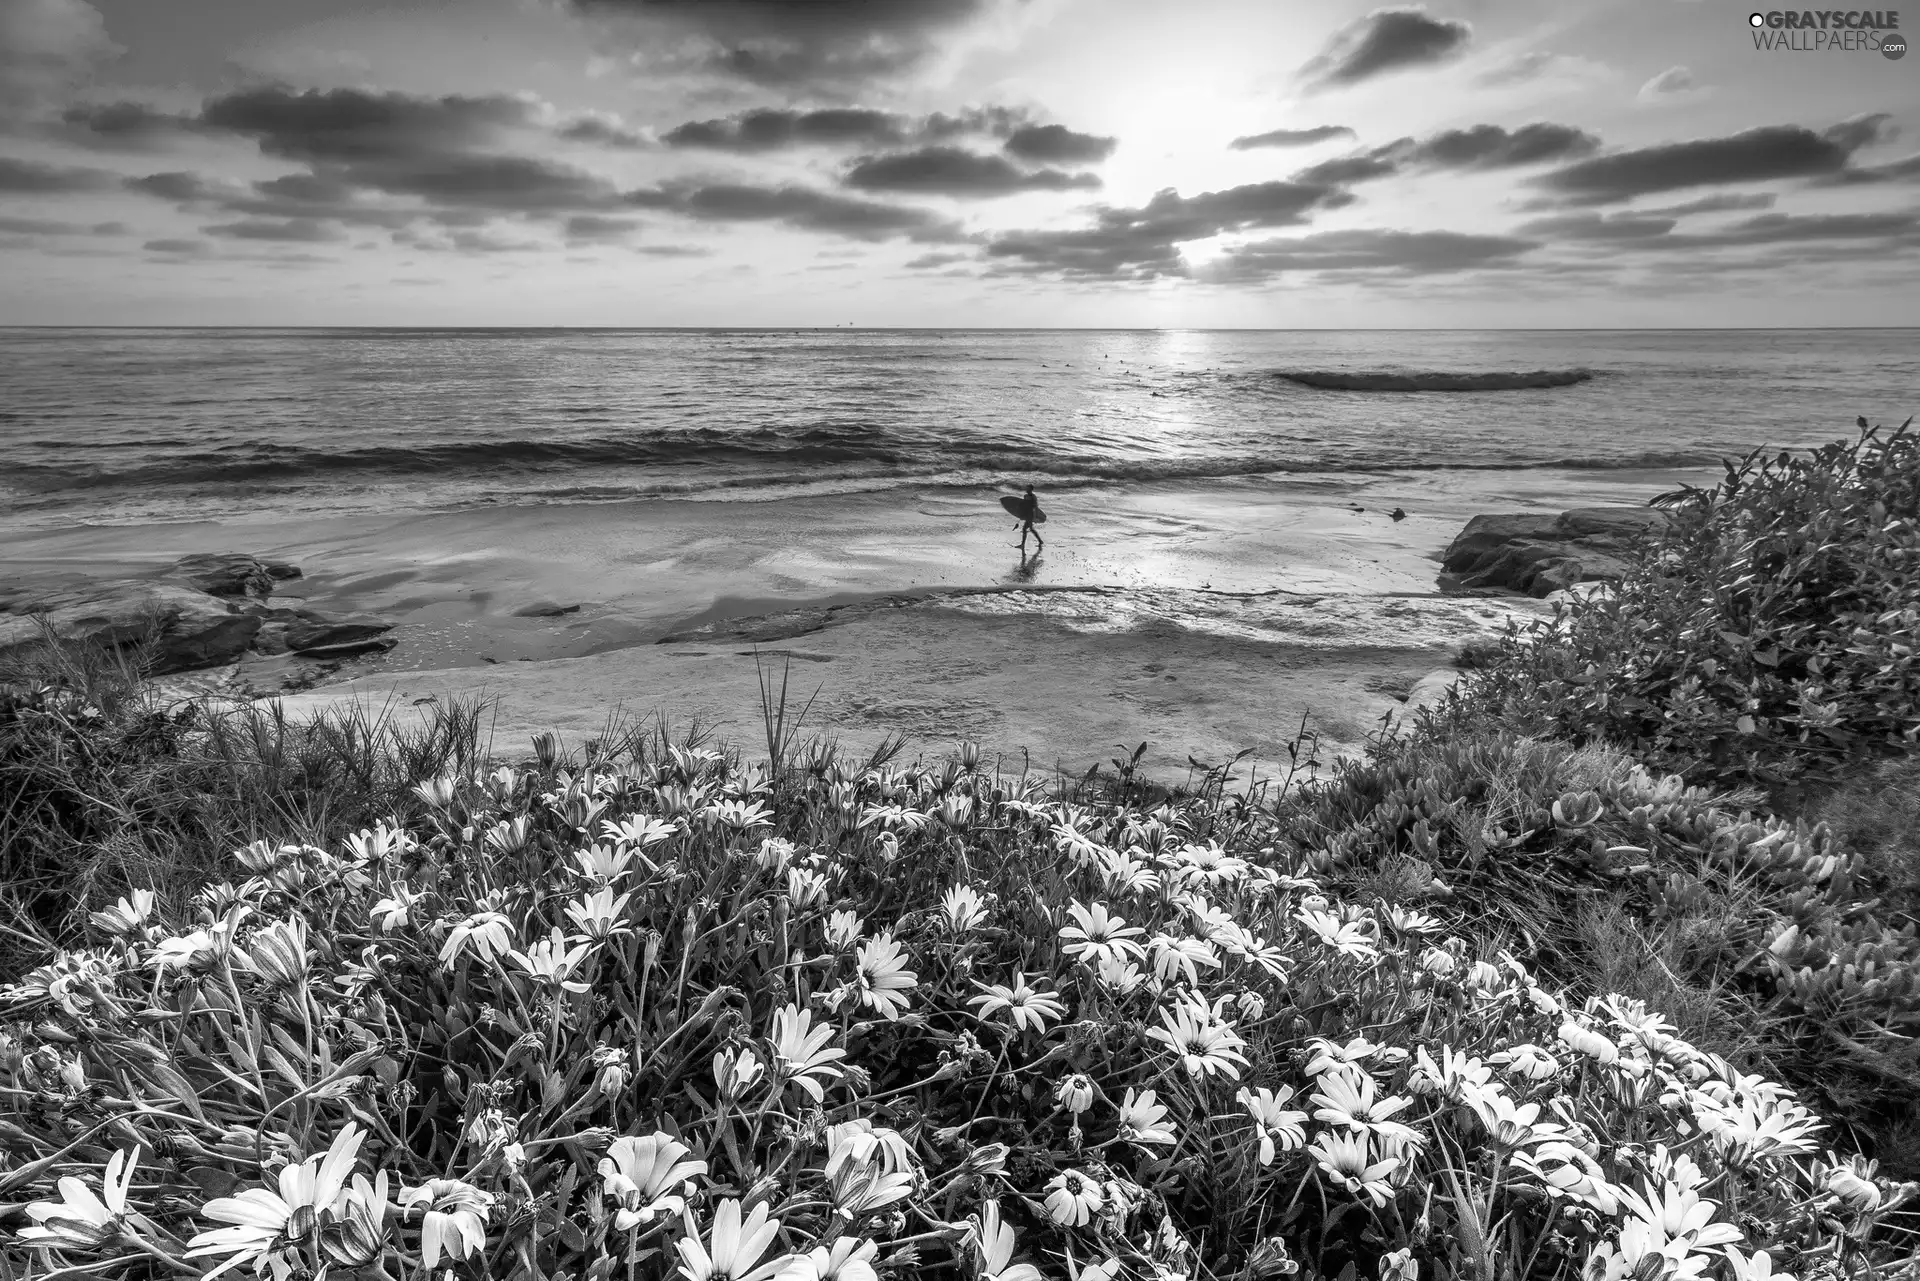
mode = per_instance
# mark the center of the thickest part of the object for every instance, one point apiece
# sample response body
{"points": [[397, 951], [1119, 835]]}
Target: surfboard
{"points": [[1017, 508]]}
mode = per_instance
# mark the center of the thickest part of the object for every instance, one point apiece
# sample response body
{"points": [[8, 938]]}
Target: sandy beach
{"points": [[1204, 622]]}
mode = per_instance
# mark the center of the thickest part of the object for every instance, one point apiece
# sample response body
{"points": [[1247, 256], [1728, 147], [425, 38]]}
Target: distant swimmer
{"points": [[1397, 514], [1026, 509]]}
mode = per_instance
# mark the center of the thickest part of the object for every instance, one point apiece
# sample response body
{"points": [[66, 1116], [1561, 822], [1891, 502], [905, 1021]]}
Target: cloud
{"points": [[1518, 70], [354, 126], [1143, 243], [952, 171], [1480, 147], [1346, 170], [1756, 155], [1593, 226], [604, 129], [1673, 84], [1860, 131], [186, 248], [801, 207], [52, 227], [46, 47], [1397, 252], [1907, 170], [596, 229], [674, 251], [36, 177], [286, 231], [1291, 137], [1385, 40], [776, 129], [789, 43], [497, 182], [927, 261], [121, 126], [1057, 144], [1722, 202]]}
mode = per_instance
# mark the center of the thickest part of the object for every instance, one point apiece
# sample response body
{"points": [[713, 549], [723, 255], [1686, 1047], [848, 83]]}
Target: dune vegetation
{"points": [[1608, 967]]}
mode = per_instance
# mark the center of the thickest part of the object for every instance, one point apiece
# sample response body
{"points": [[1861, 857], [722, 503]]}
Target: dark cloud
{"points": [[1491, 147], [34, 177], [1397, 252], [674, 251], [1291, 137], [1345, 170], [122, 126], [1593, 226], [774, 129], [1057, 144], [926, 261], [594, 228], [182, 187], [1757, 155], [952, 171], [1481, 147], [1385, 40], [794, 42], [190, 248], [356, 126], [286, 231], [1778, 229], [52, 227], [1723, 202], [507, 183], [1142, 243], [1623, 237], [604, 130]]}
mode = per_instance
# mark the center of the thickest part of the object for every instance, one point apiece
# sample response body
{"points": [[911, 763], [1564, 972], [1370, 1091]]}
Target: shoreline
{"points": [[1205, 618]]}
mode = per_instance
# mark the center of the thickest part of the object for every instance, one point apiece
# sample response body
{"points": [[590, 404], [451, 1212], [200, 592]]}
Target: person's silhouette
{"points": [[1029, 514]]}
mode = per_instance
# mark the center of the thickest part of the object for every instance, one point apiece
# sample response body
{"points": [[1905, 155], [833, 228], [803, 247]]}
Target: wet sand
{"points": [[1202, 619]]}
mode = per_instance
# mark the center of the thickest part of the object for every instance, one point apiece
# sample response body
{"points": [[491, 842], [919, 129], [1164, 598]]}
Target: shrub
{"points": [[1765, 637], [871, 1020]]}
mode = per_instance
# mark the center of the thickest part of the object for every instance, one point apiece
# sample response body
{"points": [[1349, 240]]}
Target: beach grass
{"points": [[1608, 967]]}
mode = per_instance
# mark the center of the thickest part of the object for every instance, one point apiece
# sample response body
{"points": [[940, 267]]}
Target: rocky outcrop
{"points": [[1537, 554], [1388, 380], [232, 574], [204, 611]]}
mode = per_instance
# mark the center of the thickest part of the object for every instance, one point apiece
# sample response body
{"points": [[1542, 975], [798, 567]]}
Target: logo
{"points": [[1829, 31]]}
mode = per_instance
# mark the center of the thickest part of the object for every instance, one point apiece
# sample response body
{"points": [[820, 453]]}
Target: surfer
{"points": [[1027, 509]]}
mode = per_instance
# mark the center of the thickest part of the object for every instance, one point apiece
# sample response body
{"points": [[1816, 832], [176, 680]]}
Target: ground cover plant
{"points": [[675, 1016]]}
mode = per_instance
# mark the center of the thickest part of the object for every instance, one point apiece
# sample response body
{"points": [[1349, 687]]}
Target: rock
{"points": [[314, 631], [1538, 554], [348, 648], [233, 574], [209, 611], [187, 629], [545, 609]]}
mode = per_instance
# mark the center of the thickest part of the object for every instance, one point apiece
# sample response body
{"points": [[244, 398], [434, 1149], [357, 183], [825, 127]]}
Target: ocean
{"points": [[133, 426]]}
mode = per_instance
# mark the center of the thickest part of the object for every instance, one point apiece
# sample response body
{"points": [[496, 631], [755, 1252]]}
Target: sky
{"points": [[1125, 163]]}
